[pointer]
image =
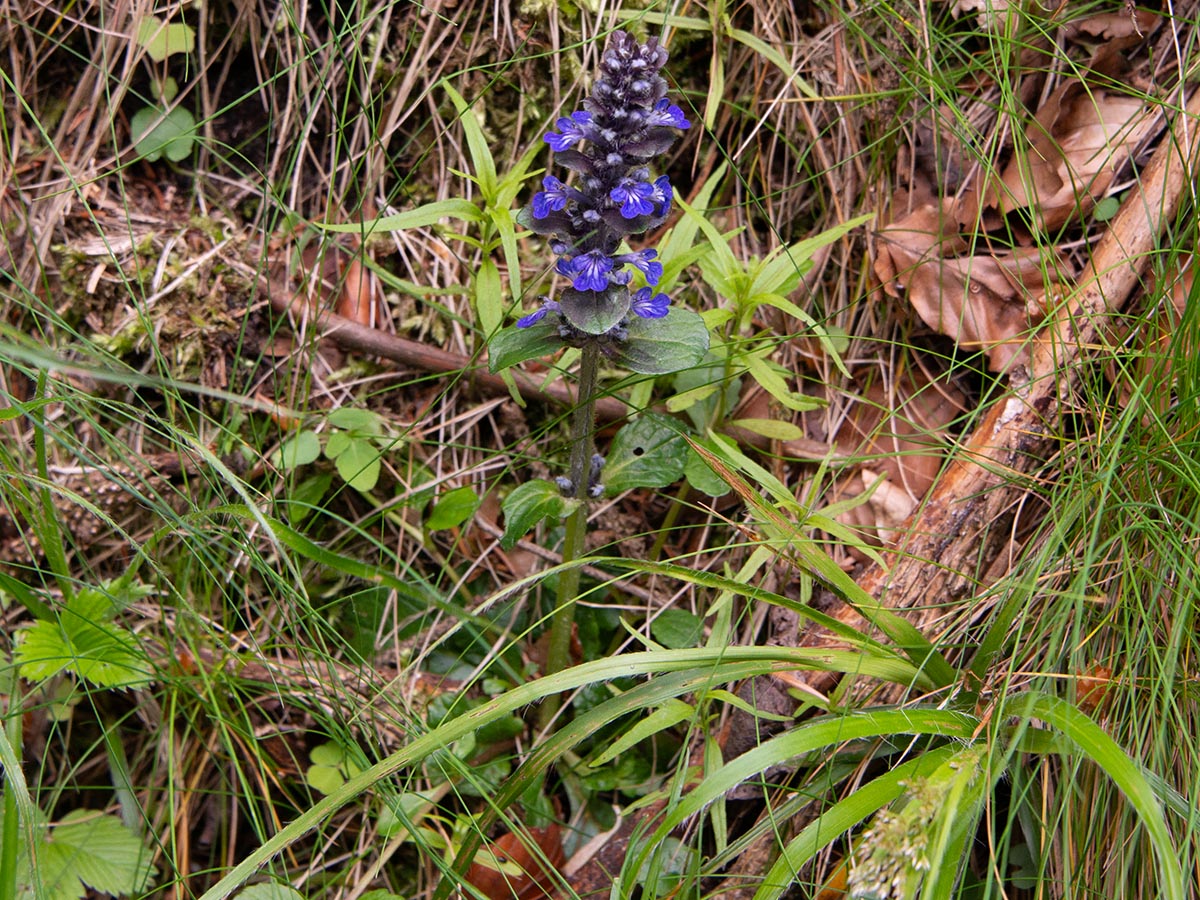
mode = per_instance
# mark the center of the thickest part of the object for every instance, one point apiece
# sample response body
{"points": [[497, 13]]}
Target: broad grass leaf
{"points": [[489, 297], [270, 890], [420, 217], [477, 144]]}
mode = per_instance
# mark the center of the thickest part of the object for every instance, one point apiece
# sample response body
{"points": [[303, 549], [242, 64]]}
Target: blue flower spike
{"points": [[609, 145]]}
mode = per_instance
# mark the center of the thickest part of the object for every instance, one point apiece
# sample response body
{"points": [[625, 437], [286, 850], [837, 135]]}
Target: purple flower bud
{"points": [[574, 129], [649, 305]]}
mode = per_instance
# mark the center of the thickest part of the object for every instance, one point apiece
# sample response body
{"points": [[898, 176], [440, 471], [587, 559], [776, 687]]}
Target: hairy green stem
{"points": [[558, 654]]}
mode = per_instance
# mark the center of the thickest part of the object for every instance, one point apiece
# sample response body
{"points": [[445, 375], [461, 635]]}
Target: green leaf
{"points": [[1106, 208], [595, 312], [297, 451], [305, 498], [768, 376], [161, 40], [648, 452], [1126, 774], [514, 345], [270, 890], [353, 418], [528, 504], [324, 779], [453, 508], [88, 849], [671, 713], [83, 641], [359, 464], [701, 476], [156, 133], [677, 629], [775, 429], [336, 444], [421, 217], [662, 346], [765, 50], [489, 297], [477, 144]]}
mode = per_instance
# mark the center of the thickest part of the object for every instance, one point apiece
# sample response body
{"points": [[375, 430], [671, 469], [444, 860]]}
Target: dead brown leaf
{"points": [[986, 302], [1076, 143], [901, 432]]}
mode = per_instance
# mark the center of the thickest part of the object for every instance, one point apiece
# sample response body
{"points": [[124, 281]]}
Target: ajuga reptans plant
{"points": [[608, 194], [626, 122]]}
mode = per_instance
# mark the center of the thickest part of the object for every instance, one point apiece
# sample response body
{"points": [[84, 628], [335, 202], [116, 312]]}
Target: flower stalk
{"points": [[609, 145]]}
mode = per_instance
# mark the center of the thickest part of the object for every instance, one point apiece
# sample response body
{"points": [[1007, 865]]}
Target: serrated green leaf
{"points": [[420, 217], [161, 40], [528, 504], [90, 849], [83, 642], [514, 345], [156, 134], [359, 464], [648, 452], [453, 508], [354, 418], [661, 346], [677, 629], [299, 450]]}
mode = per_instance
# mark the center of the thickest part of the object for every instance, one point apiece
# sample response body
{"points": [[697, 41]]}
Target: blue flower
{"points": [[574, 129], [588, 271], [636, 198], [538, 314], [643, 261], [554, 197], [667, 113], [649, 305], [662, 195]]}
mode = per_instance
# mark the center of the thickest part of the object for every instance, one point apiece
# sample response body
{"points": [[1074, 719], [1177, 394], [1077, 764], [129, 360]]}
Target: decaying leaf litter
{"points": [[985, 234]]}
